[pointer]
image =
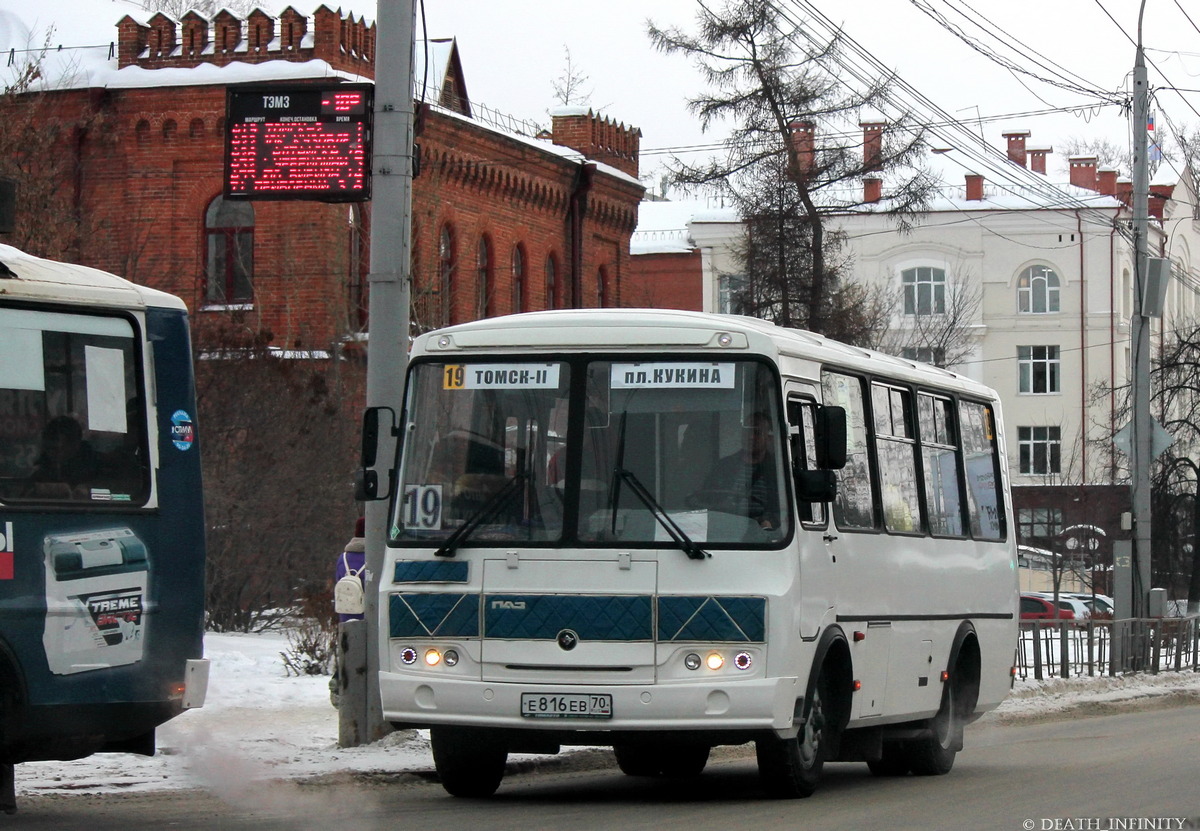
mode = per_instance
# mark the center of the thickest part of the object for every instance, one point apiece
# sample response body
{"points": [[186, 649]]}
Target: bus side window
{"points": [[801, 419], [939, 453], [895, 448], [981, 462], [854, 508]]}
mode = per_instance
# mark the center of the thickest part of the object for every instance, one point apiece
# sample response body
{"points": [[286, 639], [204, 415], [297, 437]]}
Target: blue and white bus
{"points": [[667, 531], [101, 515]]}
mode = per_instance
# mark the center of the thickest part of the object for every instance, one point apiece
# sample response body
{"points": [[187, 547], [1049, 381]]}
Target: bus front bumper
{"points": [[763, 704]]}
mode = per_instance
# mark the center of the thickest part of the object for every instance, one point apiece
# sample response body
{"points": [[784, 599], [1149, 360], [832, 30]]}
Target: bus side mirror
{"points": [[830, 430], [816, 485], [367, 478]]}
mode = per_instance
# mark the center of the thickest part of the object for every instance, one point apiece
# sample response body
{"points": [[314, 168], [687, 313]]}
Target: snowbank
{"points": [[259, 724]]}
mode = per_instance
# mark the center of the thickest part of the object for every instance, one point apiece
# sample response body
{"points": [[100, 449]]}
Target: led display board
{"points": [[298, 142]]}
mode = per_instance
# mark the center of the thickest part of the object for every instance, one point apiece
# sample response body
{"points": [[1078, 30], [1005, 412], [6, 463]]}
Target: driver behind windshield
{"points": [[746, 480]]}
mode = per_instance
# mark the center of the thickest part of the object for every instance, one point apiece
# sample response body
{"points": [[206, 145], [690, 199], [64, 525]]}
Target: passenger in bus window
{"points": [[746, 482], [67, 461]]}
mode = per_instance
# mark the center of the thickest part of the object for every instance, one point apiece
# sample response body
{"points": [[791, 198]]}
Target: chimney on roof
{"points": [[1083, 171], [1037, 159], [1125, 191], [872, 145], [974, 187], [872, 189], [596, 137], [803, 141], [1106, 181], [1016, 146]]}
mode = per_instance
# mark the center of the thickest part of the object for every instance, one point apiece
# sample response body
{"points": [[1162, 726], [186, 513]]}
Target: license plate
{"points": [[566, 705]]}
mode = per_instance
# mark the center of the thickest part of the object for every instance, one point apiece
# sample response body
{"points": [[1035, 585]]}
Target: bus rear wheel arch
{"points": [[933, 752]]}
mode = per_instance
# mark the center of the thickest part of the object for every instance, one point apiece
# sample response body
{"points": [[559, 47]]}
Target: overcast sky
{"points": [[514, 51]]}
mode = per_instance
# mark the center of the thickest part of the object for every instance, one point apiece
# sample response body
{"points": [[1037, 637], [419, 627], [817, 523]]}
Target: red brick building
{"points": [[503, 221]]}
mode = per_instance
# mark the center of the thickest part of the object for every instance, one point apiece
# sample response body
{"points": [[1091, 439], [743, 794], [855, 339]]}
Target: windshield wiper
{"points": [[681, 538], [486, 511]]}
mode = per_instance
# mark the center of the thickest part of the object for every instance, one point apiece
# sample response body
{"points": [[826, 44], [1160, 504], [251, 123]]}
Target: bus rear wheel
{"points": [[934, 755], [675, 760], [791, 768], [469, 762]]}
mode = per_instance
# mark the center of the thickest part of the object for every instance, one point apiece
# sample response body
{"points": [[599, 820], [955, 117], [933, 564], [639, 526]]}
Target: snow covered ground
{"points": [[258, 724]]}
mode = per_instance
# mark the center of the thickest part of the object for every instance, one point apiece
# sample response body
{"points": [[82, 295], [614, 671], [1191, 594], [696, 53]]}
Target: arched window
{"points": [[229, 252], [169, 130], [142, 132], [924, 290], [602, 287], [518, 279], [446, 272], [1037, 291], [483, 281], [551, 282], [196, 128]]}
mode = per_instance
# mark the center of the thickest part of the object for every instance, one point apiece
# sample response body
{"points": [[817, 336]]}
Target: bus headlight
{"points": [[691, 661], [743, 660], [714, 661], [408, 655], [451, 657], [432, 657]]}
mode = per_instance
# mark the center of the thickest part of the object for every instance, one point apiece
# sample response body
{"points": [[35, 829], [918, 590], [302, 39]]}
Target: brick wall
{"points": [[667, 281], [148, 171]]}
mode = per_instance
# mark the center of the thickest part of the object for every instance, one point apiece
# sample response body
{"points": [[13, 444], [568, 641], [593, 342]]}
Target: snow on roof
{"points": [[82, 34], [662, 227], [27, 277]]}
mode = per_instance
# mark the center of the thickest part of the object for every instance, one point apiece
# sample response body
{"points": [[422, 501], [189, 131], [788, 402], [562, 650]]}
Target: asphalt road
{"points": [[1138, 769]]}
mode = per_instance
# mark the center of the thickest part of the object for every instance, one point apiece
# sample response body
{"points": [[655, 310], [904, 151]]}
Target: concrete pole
{"points": [[1140, 329], [390, 282]]}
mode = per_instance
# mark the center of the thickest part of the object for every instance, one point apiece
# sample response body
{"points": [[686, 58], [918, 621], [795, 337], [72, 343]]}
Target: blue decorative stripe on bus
{"points": [[591, 617], [422, 571], [440, 615], [712, 619]]}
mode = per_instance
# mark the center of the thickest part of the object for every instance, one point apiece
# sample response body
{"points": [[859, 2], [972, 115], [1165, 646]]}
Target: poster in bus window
{"points": [[96, 585]]}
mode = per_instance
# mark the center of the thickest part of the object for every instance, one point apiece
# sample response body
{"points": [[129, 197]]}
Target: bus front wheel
{"points": [[791, 768], [469, 762]]}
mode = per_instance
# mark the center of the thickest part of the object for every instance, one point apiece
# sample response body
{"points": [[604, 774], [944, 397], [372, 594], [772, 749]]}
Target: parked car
{"points": [[1100, 606], [1066, 600], [1037, 607]]}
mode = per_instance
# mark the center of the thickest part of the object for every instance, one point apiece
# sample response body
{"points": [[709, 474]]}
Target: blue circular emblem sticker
{"points": [[183, 432]]}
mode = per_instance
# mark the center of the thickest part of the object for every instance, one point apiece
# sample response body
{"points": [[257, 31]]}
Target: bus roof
{"points": [[675, 330], [26, 277]]}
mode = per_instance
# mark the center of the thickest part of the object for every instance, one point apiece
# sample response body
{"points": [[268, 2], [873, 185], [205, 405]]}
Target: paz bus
{"points": [[101, 515], [666, 531]]}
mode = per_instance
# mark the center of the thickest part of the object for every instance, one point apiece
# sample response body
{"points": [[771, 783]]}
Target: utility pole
{"points": [[390, 281], [1142, 438]]}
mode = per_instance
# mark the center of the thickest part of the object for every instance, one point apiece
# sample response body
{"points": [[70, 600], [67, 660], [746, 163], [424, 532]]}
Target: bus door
{"points": [[816, 540]]}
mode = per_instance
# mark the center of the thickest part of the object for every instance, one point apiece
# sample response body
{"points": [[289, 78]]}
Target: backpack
{"points": [[348, 591]]}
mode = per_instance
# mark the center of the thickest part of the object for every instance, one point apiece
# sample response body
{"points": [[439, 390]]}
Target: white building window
{"points": [[1040, 449], [1038, 369], [731, 290], [924, 290], [1037, 291], [925, 354]]}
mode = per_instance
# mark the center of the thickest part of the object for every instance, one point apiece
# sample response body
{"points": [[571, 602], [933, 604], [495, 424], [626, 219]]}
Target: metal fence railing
{"points": [[1069, 648]]}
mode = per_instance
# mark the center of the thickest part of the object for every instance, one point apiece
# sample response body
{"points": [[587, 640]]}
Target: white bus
{"points": [[666, 531]]}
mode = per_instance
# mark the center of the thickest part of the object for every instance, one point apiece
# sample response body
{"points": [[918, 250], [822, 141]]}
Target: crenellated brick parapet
{"points": [[345, 43], [596, 137]]}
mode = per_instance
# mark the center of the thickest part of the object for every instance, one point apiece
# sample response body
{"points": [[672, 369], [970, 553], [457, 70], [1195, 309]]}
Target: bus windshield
{"points": [[593, 452]]}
